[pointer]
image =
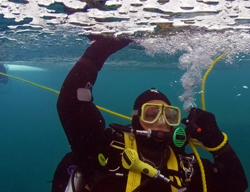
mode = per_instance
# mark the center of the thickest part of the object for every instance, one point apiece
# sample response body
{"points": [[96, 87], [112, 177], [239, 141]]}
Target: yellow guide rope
{"points": [[205, 77], [49, 89], [193, 142]]}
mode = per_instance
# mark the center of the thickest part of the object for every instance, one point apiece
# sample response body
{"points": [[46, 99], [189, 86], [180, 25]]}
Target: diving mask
{"points": [[151, 112]]}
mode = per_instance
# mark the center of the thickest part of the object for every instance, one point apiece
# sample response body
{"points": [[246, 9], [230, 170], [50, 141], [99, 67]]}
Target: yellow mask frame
{"points": [[151, 112]]}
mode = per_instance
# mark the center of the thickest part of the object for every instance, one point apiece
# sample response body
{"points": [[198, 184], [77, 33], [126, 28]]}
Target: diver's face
{"points": [[160, 124]]}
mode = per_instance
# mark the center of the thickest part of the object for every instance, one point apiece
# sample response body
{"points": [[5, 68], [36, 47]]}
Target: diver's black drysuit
{"points": [[87, 136]]}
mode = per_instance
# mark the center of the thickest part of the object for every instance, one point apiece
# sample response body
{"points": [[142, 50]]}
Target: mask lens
{"points": [[172, 115], [151, 113]]}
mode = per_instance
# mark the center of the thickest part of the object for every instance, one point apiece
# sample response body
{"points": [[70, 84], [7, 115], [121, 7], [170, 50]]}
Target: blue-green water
{"points": [[33, 141]]}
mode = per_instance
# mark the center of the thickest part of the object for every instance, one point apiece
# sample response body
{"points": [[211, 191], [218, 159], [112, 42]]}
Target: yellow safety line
{"points": [[194, 142], [114, 113], [205, 77], [203, 176], [25, 81], [49, 89]]}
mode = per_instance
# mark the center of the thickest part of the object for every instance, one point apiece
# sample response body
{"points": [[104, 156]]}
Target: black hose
{"points": [[121, 128], [142, 185]]}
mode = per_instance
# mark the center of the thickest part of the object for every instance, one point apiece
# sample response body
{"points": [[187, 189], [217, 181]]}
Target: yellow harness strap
{"points": [[172, 164], [134, 177]]}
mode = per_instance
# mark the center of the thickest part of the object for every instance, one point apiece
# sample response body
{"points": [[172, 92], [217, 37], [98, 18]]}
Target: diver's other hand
{"points": [[201, 125], [109, 44]]}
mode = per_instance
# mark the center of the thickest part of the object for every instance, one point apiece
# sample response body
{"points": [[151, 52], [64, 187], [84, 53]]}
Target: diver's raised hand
{"points": [[201, 125], [100, 49], [109, 44]]}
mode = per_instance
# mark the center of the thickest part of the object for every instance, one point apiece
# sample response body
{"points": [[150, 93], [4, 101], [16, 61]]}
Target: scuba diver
{"points": [[148, 155], [3, 79]]}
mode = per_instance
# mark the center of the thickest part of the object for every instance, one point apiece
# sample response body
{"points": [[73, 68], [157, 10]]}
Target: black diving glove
{"points": [[201, 125], [101, 48], [109, 44]]}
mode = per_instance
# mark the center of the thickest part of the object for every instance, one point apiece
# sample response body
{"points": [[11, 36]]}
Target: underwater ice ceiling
{"points": [[124, 16], [53, 32]]}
